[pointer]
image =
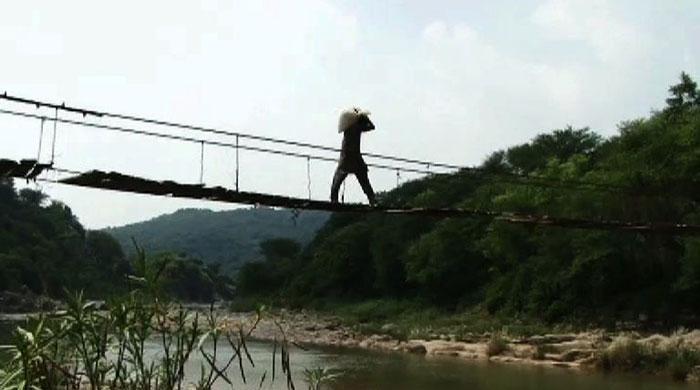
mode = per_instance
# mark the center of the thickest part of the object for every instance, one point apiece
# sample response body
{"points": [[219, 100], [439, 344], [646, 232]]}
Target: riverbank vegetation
{"points": [[139, 341], [109, 349], [649, 171], [676, 355]]}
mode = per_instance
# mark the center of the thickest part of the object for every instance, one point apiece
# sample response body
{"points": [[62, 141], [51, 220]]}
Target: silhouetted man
{"points": [[352, 124]]}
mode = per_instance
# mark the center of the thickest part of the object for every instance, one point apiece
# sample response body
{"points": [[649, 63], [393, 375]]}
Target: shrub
{"points": [[624, 354], [497, 345], [679, 367], [671, 355]]}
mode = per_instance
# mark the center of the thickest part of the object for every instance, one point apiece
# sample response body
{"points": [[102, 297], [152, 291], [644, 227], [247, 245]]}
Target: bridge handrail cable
{"points": [[184, 126]]}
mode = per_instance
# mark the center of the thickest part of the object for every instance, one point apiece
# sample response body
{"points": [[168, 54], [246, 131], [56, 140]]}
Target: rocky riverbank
{"points": [[595, 349], [26, 302]]}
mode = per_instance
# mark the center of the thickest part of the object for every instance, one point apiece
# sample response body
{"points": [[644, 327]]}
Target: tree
{"points": [[7, 191], [684, 94], [32, 197], [280, 248], [342, 264], [560, 144], [445, 264]]}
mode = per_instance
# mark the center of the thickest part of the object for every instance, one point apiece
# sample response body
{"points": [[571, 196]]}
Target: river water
{"points": [[360, 370]]}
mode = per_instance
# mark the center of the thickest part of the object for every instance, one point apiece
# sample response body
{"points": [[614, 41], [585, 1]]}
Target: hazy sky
{"points": [[446, 81]]}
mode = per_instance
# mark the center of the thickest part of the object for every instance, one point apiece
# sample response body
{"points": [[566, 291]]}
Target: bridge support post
{"points": [[201, 162], [237, 164]]}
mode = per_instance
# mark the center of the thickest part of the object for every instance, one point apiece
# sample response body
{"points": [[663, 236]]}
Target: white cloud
{"points": [[476, 85], [593, 22]]}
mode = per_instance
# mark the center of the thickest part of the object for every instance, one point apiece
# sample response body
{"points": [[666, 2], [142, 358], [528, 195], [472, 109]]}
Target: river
{"points": [[360, 369]]}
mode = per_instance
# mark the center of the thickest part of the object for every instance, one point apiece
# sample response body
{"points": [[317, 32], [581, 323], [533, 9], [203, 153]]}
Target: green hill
{"points": [[45, 251], [230, 238]]}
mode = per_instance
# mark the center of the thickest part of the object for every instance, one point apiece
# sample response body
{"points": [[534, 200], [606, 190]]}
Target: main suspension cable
{"points": [[103, 114], [477, 172], [197, 140]]}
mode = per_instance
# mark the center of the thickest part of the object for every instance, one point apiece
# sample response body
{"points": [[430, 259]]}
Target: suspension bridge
{"points": [[36, 169]]}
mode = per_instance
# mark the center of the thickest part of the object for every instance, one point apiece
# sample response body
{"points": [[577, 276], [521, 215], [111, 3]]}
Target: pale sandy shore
{"points": [[576, 351]]}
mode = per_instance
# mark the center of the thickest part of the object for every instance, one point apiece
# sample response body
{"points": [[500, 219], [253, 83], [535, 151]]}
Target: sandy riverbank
{"points": [[577, 351]]}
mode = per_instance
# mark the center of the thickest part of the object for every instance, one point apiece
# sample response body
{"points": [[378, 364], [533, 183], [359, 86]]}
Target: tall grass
{"points": [[672, 356], [317, 377], [84, 348], [87, 348]]}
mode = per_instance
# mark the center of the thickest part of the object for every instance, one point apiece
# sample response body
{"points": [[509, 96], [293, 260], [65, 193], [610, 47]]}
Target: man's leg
{"points": [[338, 178], [363, 178]]}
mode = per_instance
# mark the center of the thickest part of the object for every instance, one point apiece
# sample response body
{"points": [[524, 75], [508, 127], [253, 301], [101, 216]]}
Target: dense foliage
{"points": [[227, 237], [45, 250], [649, 171], [187, 279]]}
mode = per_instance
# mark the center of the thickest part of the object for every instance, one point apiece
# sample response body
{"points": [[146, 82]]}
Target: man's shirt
{"points": [[350, 155]]}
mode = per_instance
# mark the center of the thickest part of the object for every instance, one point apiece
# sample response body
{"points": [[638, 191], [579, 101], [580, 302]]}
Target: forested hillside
{"points": [[649, 171], [44, 250], [229, 238]]}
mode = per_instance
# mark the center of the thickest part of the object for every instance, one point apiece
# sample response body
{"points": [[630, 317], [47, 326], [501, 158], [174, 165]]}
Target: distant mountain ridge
{"points": [[231, 238]]}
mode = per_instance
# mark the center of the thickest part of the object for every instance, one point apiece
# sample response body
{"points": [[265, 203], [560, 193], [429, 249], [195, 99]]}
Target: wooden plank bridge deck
{"points": [[30, 170]]}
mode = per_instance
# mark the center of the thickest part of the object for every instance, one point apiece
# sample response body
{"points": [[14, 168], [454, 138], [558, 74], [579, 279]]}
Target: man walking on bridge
{"points": [[352, 124]]}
